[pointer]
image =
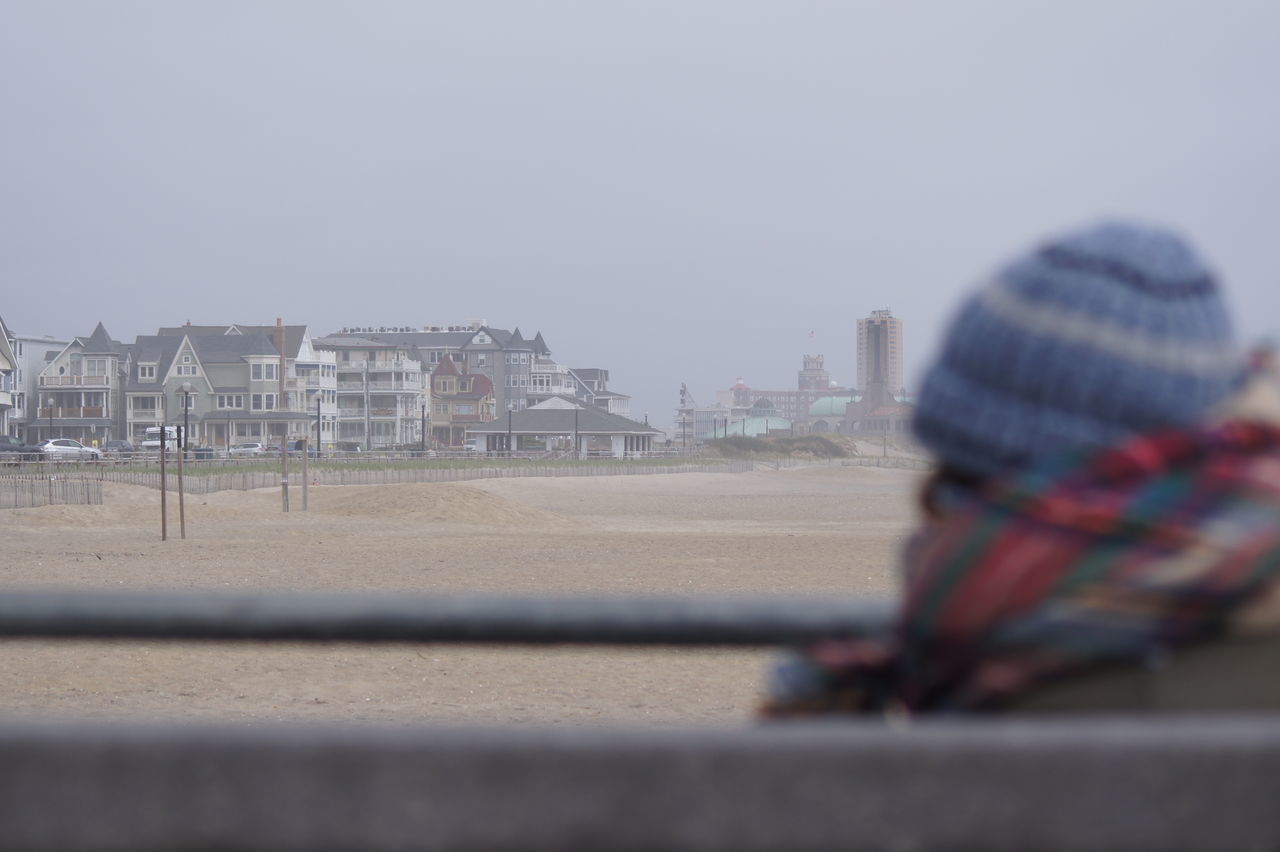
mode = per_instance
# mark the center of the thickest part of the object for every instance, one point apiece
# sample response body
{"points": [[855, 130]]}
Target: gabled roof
{"points": [[100, 343], [481, 387], [152, 349], [293, 334], [446, 367], [233, 348], [194, 330], [558, 402], [560, 421]]}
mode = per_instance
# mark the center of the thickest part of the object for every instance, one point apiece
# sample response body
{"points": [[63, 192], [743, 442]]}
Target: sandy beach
{"points": [[808, 530]]}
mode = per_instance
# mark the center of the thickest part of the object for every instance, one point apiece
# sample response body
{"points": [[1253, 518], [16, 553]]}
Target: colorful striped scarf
{"points": [[1086, 561]]}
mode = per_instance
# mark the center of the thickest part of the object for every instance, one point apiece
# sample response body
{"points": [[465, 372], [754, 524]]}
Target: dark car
{"points": [[13, 451], [295, 449], [118, 449]]}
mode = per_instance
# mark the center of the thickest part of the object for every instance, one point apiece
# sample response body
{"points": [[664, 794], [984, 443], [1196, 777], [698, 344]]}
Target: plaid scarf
{"points": [[1091, 560]]}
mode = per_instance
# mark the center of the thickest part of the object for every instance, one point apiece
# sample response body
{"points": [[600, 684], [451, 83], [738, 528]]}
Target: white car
{"points": [[65, 449], [249, 448]]}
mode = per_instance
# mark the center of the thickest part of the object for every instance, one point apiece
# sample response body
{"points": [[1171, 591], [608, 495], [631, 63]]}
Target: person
{"points": [[1103, 527]]}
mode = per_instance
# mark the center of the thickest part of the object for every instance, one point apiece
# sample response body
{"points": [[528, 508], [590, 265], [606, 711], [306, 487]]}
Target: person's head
{"points": [[1092, 337]]}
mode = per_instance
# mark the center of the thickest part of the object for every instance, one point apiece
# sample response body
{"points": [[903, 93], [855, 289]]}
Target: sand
{"points": [[813, 530]]}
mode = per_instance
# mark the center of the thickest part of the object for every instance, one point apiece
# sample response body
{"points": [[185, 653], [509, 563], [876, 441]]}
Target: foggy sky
{"points": [[678, 191]]}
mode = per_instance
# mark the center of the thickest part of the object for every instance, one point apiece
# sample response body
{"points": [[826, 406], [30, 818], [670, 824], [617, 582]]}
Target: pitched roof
{"points": [[101, 343], [232, 348], [446, 367], [560, 421]]}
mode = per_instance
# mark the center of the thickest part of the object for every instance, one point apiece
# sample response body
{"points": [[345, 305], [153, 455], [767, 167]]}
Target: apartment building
{"points": [[31, 356], [505, 357], [880, 352], [381, 398]]}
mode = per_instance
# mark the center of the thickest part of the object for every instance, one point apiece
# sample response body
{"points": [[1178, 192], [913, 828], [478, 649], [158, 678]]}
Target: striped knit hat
{"points": [[1095, 336]]}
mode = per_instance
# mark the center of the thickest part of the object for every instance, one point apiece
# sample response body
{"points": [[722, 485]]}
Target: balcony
{"points": [[351, 413], [75, 381], [76, 411], [379, 366]]}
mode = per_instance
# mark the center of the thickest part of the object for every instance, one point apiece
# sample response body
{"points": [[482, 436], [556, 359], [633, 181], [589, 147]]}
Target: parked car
{"points": [[152, 436], [343, 447], [472, 445], [65, 449], [118, 449], [271, 449], [295, 449], [13, 451], [247, 449]]}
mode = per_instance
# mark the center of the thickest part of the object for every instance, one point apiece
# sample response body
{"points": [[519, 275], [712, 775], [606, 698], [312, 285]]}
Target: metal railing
{"points": [[318, 617]]}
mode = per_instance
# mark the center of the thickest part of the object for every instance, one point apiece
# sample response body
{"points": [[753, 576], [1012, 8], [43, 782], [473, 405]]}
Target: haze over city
{"points": [[679, 192]]}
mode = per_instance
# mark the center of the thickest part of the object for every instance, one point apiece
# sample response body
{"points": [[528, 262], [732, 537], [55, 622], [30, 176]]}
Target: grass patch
{"points": [[814, 446]]}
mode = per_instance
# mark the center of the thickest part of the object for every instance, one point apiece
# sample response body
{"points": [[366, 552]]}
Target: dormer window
{"points": [[146, 372]]}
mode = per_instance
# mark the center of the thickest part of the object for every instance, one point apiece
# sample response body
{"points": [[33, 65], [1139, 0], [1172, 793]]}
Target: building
{"points": [[458, 400], [32, 355], [521, 371], [81, 390], [231, 383], [382, 400], [561, 425], [591, 387], [8, 373], [880, 352], [813, 382], [505, 357]]}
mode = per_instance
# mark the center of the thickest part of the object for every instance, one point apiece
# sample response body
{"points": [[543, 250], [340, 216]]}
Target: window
{"points": [[186, 370], [464, 408], [264, 372], [440, 409], [146, 372], [230, 400], [187, 400], [524, 357], [482, 359], [95, 366], [143, 403], [264, 401], [186, 359]]}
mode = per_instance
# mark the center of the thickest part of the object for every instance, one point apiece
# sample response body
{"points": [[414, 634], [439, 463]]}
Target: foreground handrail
{"points": [[311, 617]]}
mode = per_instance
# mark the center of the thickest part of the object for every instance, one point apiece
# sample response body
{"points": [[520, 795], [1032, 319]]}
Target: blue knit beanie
{"points": [[1093, 337]]}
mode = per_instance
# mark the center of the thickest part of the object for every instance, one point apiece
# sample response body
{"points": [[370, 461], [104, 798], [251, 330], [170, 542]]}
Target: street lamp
{"points": [[186, 415], [49, 405], [510, 407], [423, 430]]}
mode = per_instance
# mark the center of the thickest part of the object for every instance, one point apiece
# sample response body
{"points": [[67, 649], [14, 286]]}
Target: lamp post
{"points": [[423, 430], [186, 415], [510, 406], [182, 454], [48, 403]]}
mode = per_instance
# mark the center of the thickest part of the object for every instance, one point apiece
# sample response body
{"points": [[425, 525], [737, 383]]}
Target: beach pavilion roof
{"points": [[560, 421]]}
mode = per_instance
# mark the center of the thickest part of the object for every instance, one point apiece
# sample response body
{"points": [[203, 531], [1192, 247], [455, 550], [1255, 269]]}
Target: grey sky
{"points": [[678, 191]]}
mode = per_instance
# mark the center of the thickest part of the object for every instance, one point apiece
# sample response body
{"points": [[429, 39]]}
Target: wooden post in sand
{"points": [[284, 473], [305, 481]]}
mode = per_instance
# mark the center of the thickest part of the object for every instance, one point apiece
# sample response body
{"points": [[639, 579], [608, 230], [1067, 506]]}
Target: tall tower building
{"points": [[880, 352]]}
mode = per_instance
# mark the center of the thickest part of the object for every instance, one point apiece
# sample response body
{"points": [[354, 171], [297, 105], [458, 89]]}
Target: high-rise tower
{"points": [[880, 352]]}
